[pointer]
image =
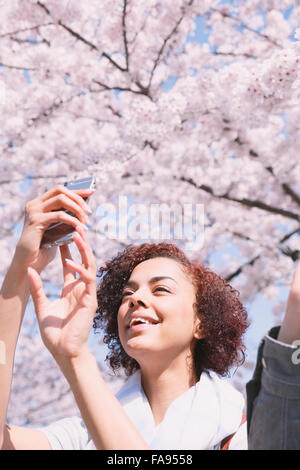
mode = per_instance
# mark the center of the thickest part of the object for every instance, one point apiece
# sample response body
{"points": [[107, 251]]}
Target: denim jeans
{"points": [[273, 397]]}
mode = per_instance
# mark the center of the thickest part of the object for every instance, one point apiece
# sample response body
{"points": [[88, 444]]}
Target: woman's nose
{"points": [[138, 299]]}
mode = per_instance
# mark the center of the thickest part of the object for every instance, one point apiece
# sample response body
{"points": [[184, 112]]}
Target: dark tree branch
{"points": [[117, 88], [289, 235], [32, 177], [285, 186], [16, 67], [113, 111], [240, 269], [293, 254], [232, 54], [125, 34], [79, 37], [288, 190], [40, 4], [27, 41], [165, 42], [32, 28], [244, 201], [245, 26]]}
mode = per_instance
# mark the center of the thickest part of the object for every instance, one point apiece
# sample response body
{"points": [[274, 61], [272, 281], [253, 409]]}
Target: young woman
{"points": [[173, 325]]}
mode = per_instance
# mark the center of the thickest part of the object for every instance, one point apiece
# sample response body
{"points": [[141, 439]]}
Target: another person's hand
{"points": [[290, 328], [65, 323], [40, 213]]}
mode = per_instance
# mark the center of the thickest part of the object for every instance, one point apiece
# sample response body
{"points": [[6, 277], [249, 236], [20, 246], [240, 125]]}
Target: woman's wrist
{"points": [[15, 281], [69, 365]]}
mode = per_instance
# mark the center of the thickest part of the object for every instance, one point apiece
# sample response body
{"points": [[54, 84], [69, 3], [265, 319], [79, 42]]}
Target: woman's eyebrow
{"points": [[154, 279]]}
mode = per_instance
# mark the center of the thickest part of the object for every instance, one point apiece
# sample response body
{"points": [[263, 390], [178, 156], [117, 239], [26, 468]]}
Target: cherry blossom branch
{"points": [[45, 114], [288, 190], [240, 269], [125, 34], [244, 201], [165, 42], [245, 26], [294, 254], [16, 67], [45, 404], [32, 28], [289, 235], [32, 177], [286, 187], [79, 37], [142, 91], [232, 54]]}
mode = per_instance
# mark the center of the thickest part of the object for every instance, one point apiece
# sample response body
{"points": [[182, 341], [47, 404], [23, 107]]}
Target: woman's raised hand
{"points": [[40, 213], [65, 323]]}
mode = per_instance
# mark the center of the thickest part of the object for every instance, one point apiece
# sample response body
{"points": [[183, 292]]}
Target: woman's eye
{"points": [[126, 293], [162, 289]]}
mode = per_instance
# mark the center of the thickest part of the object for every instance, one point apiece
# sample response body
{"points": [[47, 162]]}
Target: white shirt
{"points": [[199, 419]]}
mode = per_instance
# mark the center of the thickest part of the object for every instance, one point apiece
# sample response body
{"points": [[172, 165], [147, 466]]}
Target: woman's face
{"points": [[156, 314]]}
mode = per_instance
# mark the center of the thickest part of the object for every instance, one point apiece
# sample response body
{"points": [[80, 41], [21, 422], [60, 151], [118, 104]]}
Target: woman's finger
{"points": [[85, 274], [61, 201], [69, 274], [87, 269], [37, 292], [85, 250], [88, 250], [77, 195], [49, 218], [82, 248]]}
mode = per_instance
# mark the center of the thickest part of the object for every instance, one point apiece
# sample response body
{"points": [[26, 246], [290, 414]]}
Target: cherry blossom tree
{"points": [[126, 91]]}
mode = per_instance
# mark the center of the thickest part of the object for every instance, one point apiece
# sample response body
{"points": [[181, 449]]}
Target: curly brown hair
{"points": [[223, 317]]}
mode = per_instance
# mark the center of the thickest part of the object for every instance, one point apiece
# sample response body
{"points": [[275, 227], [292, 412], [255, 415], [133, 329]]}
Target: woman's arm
{"points": [[13, 300], [65, 325], [15, 289], [108, 424]]}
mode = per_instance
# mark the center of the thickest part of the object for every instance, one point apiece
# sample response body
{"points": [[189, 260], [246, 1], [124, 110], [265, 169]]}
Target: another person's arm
{"points": [[273, 394], [290, 328], [15, 293]]}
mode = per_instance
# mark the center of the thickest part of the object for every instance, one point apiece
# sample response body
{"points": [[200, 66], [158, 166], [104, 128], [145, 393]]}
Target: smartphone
{"points": [[61, 233]]}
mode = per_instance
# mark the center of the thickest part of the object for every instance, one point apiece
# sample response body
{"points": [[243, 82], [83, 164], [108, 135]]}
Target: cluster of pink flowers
{"points": [[86, 92]]}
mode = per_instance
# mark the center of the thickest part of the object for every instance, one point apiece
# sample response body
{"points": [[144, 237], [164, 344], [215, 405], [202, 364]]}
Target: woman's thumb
{"points": [[36, 288]]}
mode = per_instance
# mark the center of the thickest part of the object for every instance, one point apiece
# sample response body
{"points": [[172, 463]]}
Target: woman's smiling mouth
{"points": [[138, 323]]}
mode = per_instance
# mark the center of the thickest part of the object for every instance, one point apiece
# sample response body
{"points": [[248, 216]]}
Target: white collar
{"points": [[198, 419]]}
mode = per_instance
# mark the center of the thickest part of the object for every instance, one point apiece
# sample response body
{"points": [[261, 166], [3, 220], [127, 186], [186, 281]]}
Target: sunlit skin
{"points": [[163, 350]]}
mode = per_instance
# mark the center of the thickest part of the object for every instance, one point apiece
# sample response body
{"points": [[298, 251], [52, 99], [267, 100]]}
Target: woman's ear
{"points": [[198, 330]]}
